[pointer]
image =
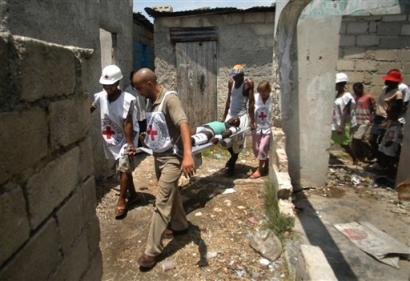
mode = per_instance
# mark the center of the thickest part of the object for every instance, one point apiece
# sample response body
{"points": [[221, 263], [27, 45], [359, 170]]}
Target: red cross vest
{"points": [[263, 114], [157, 137]]}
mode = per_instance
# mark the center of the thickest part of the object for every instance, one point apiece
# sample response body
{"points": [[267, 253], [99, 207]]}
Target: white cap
{"points": [[341, 77], [110, 75]]}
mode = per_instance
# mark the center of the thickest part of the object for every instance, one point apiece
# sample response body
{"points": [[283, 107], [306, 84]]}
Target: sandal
{"points": [[120, 213]]}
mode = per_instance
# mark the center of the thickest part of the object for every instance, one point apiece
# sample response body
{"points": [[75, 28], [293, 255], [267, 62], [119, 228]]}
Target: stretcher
{"points": [[197, 149]]}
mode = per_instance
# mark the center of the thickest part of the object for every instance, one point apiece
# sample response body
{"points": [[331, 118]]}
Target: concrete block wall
{"points": [[49, 229], [371, 45], [243, 38]]}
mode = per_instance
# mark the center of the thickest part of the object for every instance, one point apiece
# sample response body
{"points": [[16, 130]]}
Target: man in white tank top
{"points": [[240, 103]]}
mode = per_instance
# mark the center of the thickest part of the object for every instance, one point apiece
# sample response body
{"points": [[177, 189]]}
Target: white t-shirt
{"points": [[338, 109], [113, 115], [141, 103], [404, 89]]}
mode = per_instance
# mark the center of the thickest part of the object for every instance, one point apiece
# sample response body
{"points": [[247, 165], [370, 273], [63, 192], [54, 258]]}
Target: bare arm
{"points": [[251, 105], [129, 133], [228, 100], [187, 166]]}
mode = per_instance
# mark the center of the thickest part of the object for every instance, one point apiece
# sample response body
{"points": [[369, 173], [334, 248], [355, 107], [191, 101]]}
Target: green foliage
{"points": [[276, 221]]}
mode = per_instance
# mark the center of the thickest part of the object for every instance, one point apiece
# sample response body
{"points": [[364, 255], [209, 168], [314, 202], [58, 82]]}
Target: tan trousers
{"points": [[168, 203]]}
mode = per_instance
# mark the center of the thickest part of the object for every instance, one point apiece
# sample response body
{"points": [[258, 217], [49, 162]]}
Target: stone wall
{"points": [[371, 45], [243, 38], [49, 229], [77, 23]]}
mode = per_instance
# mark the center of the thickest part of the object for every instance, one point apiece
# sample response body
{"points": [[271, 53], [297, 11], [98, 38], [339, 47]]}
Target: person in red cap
{"points": [[390, 96]]}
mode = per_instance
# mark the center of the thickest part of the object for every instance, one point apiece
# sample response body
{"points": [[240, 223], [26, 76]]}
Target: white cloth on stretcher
{"points": [[237, 141]]}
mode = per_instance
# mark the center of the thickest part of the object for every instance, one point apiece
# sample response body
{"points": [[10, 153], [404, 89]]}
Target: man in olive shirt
{"points": [[169, 215]]}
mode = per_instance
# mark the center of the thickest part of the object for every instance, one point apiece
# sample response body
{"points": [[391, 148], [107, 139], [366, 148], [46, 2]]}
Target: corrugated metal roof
{"points": [[227, 10], [140, 18]]}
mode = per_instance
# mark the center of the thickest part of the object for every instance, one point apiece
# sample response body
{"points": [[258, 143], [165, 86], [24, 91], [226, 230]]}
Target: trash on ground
{"points": [[211, 255], [264, 262], [198, 214], [375, 242], [229, 190], [266, 243], [168, 265]]}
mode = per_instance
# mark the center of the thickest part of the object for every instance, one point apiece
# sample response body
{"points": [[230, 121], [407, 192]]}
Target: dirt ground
{"points": [[224, 212], [352, 195]]}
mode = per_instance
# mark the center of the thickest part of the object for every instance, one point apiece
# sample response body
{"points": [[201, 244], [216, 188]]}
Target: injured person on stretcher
{"points": [[214, 131]]}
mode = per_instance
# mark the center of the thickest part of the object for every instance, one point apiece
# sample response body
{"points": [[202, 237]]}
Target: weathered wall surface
{"points": [[49, 229], [50, 64], [77, 23], [243, 38], [309, 68], [371, 45]]}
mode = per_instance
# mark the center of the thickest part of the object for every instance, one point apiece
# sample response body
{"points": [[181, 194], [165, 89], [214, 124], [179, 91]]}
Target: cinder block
{"points": [[75, 263], [345, 65], [93, 234], [365, 65], [38, 259], [89, 198], [384, 67], [23, 141], [86, 159], [4, 69], [384, 54], [48, 188], [347, 40], [46, 70], [343, 28], [372, 27], [353, 53], [390, 42], [357, 27], [70, 220], [94, 272], [355, 76], [404, 54], [367, 40], [15, 228], [405, 29], [69, 121], [391, 18], [390, 28]]}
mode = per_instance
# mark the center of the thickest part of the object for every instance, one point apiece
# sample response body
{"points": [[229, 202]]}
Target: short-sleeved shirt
{"points": [[174, 114]]}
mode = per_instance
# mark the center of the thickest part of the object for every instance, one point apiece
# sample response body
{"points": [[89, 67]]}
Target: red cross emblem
{"points": [[108, 132], [262, 116], [152, 132]]}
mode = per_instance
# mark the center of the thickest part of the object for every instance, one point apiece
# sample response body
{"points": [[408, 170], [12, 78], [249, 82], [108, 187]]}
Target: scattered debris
{"points": [[211, 255], [375, 242], [266, 243], [168, 265], [264, 262], [355, 180], [229, 190], [198, 214]]}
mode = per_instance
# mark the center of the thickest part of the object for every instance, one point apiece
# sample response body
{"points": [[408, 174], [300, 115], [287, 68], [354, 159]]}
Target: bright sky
{"points": [[180, 5]]}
